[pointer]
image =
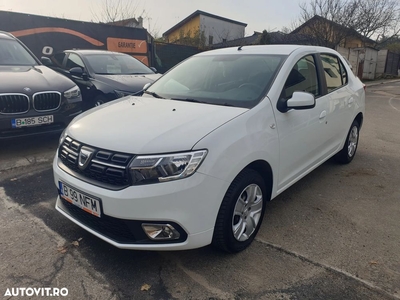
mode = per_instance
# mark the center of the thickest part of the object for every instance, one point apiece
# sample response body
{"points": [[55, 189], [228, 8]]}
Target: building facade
{"points": [[211, 28]]}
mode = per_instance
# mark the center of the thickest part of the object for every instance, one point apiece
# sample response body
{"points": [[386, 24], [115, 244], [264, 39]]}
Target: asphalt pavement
{"points": [[333, 235]]}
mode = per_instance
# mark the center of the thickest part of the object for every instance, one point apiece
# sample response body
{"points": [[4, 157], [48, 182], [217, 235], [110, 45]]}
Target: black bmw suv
{"points": [[33, 98]]}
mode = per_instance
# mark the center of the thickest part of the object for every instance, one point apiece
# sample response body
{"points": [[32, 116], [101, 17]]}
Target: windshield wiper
{"points": [[198, 101], [188, 100], [155, 95]]}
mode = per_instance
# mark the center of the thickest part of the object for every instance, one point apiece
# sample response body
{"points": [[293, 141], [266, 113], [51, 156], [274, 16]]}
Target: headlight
{"points": [[62, 137], [121, 94], [72, 93], [161, 168]]}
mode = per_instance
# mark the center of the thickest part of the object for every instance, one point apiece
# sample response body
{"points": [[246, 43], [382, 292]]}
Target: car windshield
{"points": [[13, 53], [116, 64], [232, 80]]}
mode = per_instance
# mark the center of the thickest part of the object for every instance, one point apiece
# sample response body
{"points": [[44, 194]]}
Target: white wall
{"points": [[220, 29], [380, 69], [370, 63]]}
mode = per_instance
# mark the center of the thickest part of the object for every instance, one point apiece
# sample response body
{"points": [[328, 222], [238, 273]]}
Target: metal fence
{"points": [[165, 56]]}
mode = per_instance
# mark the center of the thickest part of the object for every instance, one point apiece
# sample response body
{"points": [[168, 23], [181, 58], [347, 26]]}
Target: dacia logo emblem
{"points": [[85, 156]]}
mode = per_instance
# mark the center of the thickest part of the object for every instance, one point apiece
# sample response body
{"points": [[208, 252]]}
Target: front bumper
{"points": [[191, 205]]}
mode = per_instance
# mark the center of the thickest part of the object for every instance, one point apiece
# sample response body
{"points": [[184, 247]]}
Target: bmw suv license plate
{"points": [[86, 202], [33, 121]]}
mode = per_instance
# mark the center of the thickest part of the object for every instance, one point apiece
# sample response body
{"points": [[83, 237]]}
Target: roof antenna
{"points": [[240, 48]]}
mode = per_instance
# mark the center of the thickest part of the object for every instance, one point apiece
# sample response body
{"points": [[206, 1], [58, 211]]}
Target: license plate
{"points": [[33, 121], [86, 202]]}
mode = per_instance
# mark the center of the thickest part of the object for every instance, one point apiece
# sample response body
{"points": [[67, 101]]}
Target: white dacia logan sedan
{"points": [[194, 161]]}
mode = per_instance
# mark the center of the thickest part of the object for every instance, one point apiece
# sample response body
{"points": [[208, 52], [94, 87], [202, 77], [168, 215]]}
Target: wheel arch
{"points": [[359, 118], [265, 170]]}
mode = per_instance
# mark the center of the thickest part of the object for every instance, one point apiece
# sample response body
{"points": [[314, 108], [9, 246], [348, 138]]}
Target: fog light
{"points": [[161, 231]]}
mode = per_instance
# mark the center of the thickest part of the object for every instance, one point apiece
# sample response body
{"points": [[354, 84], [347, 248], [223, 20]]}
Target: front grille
{"points": [[14, 103], [46, 101], [105, 168]]}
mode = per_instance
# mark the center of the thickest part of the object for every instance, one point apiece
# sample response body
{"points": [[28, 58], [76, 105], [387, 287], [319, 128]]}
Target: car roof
{"points": [[265, 49], [91, 51], [6, 35]]}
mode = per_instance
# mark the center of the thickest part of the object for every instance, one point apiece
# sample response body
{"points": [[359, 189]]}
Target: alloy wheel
{"points": [[353, 140], [247, 212]]}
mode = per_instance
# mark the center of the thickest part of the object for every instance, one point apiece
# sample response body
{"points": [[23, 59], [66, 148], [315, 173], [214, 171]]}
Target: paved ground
{"points": [[333, 235]]}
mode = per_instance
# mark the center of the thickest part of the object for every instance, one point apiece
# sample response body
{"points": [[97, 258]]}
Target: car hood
{"points": [[128, 83], [141, 125], [14, 79]]}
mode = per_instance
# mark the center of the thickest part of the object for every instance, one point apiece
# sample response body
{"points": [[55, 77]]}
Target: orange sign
{"points": [[127, 45], [26, 32], [143, 59]]}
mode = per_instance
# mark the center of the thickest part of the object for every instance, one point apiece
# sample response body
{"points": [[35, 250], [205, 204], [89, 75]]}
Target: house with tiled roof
{"points": [[330, 34]]}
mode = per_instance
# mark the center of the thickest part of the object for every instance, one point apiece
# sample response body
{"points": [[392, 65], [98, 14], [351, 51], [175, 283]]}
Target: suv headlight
{"points": [[161, 168], [72, 93]]}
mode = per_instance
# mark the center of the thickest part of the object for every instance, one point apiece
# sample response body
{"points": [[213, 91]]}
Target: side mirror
{"points": [[153, 69], [146, 86], [46, 61], [301, 100], [78, 72]]}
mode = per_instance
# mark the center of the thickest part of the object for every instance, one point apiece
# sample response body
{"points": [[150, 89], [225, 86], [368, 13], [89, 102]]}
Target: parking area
{"points": [[333, 235]]}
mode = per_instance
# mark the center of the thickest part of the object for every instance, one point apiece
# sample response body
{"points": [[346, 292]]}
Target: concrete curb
{"points": [[374, 83]]}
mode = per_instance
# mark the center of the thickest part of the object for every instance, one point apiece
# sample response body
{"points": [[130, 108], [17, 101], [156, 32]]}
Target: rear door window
{"points": [[334, 71]]}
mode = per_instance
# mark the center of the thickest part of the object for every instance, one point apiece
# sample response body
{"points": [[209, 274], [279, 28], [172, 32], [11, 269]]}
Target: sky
{"points": [[160, 15]]}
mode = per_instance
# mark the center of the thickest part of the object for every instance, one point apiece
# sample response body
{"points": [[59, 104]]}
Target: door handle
{"points": [[322, 115]]}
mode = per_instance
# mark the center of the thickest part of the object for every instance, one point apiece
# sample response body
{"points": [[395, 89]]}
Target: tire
{"points": [[237, 218], [349, 149]]}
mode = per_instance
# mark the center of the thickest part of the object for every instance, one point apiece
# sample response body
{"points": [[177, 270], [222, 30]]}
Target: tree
{"points": [[115, 10], [265, 39], [370, 18], [110, 11], [293, 25], [392, 44], [195, 39], [377, 19], [326, 15]]}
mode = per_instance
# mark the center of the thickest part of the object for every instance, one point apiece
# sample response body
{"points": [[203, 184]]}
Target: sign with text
{"points": [[126, 45], [46, 36]]}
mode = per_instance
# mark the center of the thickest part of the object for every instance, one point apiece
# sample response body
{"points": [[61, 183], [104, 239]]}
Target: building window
{"points": [[210, 39], [224, 40]]}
